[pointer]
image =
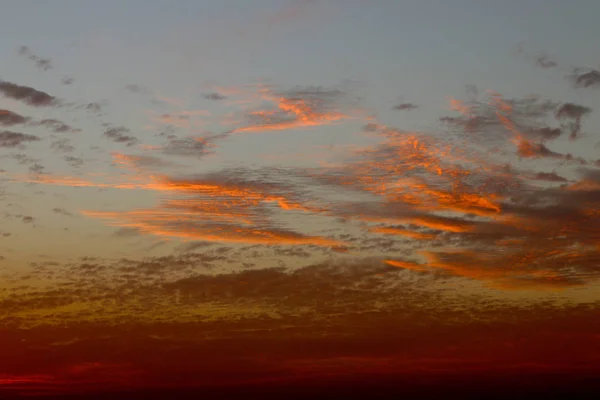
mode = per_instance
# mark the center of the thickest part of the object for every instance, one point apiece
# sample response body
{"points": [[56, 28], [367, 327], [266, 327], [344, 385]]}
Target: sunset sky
{"points": [[201, 195]]}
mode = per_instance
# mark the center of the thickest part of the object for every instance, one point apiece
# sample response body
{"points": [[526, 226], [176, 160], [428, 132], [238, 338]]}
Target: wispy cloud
{"points": [[40, 62], [16, 139]]}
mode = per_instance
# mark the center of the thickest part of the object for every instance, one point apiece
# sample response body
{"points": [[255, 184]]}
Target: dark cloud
{"points": [[575, 113], [543, 61], [28, 95], [120, 135], [57, 126], [37, 168], [63, 145], [545, 134], [15, 139], [23, 158], [405, 107], [193, 246], [572, 111], [74, 161], [41, 63], [527, 115], [62, 211], [549, 176], [191, 147], [9, 118], [586, 78], [94, 107], [214, 96]]}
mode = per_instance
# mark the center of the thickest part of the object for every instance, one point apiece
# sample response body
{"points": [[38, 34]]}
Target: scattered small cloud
{"points": [[121, 135], [405, 107], [214, 96], [40, 62], [36, 168], [62, 211], [545, 62], [57, 126]]}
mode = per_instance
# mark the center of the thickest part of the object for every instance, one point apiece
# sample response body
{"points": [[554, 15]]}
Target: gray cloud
{"points": [[62, 145], [15, 139], [575, 113], [9, 118], [405, 107], [586, 78], [192, 146], [57, 126], [120, 135], [543, 61], [40, 62], [62, 211], [74, 161], [28, 95], [214, 96]]}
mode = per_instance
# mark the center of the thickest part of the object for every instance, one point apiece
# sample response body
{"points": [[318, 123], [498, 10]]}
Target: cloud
{"points": [[16, 139], [197, 147], [120, 135], [37, 168], [139, 162], [27, 95], [296, 108], [62, 211], [545, 62], [574, 112], [73, 161], [137, 89], [549, 176], [57, 126], [219, 208], [41, 63], [214, 96], [9, 118], [405, 107], [62, 145], [585, 78]]}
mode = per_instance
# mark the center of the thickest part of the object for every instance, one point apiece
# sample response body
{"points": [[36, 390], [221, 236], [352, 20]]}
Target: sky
{"points": [[230, 194]]}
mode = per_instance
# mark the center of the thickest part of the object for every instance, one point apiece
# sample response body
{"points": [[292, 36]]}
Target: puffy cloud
{"points": [[586, 78], [9, 118], [28, 95]]}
